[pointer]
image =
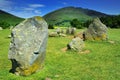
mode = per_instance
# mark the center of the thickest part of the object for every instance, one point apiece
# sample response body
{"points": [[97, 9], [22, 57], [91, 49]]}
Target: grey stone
{"points": [[62, 35], [9, 36], [28, 46], [70, 31], [1, 28], [53, 34], [58, 30], [80, 35], [77, 44], [96, 31]]}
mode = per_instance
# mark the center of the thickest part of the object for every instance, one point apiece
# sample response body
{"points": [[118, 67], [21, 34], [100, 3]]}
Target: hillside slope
{"points": [[64, 15], [9, 18]]}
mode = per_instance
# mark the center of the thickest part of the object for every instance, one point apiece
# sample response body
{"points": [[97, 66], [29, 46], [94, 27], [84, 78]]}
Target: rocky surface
{"points": [[70, 31], [1, 28], [96, 31], [28, 46], [77, 44], [53, 34]]}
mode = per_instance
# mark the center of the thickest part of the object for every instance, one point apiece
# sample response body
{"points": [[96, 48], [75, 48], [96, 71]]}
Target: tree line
{"points": [[109, 21], [5, 24]]}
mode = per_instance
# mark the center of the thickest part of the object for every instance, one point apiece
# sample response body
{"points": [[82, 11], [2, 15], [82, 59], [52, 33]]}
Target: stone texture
{"points": [[70, 31], [1, 28], [58, 30], [62, 35], [96, 31], [53, 34], [28, 46], [80, 35], [77, 44]]}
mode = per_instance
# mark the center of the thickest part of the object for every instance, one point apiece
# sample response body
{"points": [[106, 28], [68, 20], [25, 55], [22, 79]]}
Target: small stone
{"points": [[112, 42], [9, 36], [1, 28], [77, 44], [48, 79], [58, 30], [56, 76], [62, 35], [53, 34]]}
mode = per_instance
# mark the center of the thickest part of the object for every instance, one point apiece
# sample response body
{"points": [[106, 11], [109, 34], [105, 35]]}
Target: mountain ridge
{"points": [[64, 15]]}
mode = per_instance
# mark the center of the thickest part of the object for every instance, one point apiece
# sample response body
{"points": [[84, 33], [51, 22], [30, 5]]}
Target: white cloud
{"points": [[36, 5], [37, 11], [6, 5], [28, 9], [27, 14], [25, 11]]}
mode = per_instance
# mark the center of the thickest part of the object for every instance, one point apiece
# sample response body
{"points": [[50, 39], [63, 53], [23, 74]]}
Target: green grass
{"points": [[102, 63]]}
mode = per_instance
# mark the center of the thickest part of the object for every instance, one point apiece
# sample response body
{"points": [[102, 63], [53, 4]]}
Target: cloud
{"points": [[37, 12], [25, 11], [6, 5], [36, 5], [28, 9]]}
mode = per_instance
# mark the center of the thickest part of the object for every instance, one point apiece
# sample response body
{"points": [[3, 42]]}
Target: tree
{"points": [[76, 23], [50, 26], [4, 24], [111, 21]]}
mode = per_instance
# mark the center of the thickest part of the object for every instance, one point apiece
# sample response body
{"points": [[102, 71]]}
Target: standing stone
{"points": [[28, 46], [77, 44], [1, 28], [96, 31], [58, 30], [70, 31], [62, 31]]}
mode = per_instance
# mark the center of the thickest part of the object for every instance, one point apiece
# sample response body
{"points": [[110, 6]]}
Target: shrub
{"points": [[76, 23], [4, 24], [50, 26]]}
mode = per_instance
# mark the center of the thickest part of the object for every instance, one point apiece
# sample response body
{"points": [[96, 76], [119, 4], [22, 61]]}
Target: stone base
{"points": [[23, 71]]}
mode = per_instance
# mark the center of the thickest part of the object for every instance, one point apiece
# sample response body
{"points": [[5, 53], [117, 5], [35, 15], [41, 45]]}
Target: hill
{"points": [[9, 18], [64, 15]]}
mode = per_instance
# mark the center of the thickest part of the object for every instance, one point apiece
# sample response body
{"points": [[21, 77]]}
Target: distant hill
{"points": [[9, 18], [64, 15]]}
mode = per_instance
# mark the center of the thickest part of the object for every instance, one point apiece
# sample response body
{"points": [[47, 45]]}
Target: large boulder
{"points": [[77, 44], [96, 31], [28, 46]]}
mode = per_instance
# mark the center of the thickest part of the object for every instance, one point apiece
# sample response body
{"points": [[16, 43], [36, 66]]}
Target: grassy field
{"points": [[102, 63]]}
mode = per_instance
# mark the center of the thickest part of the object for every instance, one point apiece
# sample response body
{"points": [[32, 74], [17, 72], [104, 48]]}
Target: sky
{"points": [[29, 8]]}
